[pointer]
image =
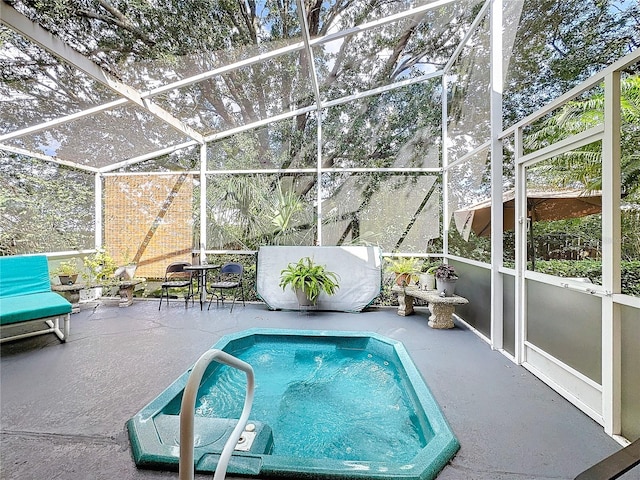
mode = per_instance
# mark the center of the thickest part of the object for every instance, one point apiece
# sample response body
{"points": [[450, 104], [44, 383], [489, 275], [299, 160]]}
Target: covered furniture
{"points": [[27, 302], [177, 277], [359, 272], [229, 278]]}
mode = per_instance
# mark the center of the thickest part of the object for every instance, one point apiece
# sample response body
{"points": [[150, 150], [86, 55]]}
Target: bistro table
{"points": [[201, 271]]}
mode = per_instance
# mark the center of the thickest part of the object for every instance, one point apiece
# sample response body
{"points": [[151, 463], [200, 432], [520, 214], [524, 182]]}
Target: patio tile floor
{"points": [[63, 407]]}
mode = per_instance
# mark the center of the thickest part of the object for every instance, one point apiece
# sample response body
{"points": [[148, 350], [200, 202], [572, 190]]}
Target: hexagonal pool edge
{"points": [[151, 451]]}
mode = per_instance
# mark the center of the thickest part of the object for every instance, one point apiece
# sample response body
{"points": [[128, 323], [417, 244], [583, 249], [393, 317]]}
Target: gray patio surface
{"points": [[64, 406]]}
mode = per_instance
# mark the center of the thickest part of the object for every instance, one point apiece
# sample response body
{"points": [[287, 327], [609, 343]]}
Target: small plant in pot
{"points": [[446, 278], [308, 280], [428, 277], [406, 270], [67, 272], [127, 270]]}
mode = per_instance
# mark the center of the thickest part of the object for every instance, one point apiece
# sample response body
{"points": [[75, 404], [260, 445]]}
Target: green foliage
{"points": [[583, 165], [310, 278], [44, 207], [404, 265], [630, 277], [561, 43], [592, 269], [67, 267], [408, 267], [101, 266]]}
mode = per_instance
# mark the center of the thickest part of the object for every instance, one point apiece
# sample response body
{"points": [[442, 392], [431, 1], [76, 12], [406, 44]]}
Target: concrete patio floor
{"points": [[63, 407]]}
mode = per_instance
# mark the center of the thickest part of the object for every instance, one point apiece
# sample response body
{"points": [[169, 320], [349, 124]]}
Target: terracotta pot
{"points": [[403, 279], [68, 279]]}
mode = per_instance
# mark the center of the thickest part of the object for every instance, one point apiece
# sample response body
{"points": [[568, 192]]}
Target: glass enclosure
{"points": [[165, 130]]}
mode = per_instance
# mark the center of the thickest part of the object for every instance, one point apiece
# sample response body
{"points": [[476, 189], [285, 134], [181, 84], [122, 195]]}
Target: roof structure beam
{"points": [[48, 158], [465, 39], [299, 46], [21, 24], [58, 121], [380, 22]]}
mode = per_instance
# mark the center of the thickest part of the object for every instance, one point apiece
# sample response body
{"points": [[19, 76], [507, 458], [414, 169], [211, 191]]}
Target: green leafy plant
{"points": [[67, 268], [406, 269], [67, 271], [100, 266], [432, 269], [310, 278]]}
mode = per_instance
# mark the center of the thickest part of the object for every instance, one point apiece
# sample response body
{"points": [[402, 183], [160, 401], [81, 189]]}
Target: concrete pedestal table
{"points": [[71, 293], [441, 308], [125, 290]]}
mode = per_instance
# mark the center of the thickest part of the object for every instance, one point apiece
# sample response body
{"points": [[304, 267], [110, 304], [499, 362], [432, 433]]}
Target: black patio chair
{"points": [[177, 277], [229, 278]]}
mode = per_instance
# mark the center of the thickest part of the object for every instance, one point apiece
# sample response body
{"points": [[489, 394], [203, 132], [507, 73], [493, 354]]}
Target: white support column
{"points": [[319, 180], [611, 230], [445, 163], [97, 189], [521, 250], [497, 328], [203, 201], [302, 16]]}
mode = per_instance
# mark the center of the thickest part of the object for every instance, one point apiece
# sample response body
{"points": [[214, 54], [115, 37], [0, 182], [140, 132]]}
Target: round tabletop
{"points": [[201, 267]]}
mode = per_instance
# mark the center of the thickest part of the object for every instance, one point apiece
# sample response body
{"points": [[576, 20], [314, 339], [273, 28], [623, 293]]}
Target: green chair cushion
{"points": [[21, 308], [23, 274], [25, 290]]}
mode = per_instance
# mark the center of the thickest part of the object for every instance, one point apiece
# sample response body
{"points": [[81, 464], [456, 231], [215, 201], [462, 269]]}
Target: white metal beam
{"points": [[520, 251], [48, 158], [203, 204], [495, 115], [302, 18], [611, 255], [148, 156], [60, 120], [97, 186], [476, 21], [380, 22], [21, 24], [445, 166]]}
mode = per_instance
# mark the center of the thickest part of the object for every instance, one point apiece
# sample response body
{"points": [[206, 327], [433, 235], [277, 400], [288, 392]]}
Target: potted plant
{"points": [[446, 278], [406, 270], [428, 277], [127, 270], [67, 272], [308, 280]]}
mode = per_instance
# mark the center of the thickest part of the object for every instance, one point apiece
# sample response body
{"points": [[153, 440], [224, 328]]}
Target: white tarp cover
{"points": [[358, 268]]}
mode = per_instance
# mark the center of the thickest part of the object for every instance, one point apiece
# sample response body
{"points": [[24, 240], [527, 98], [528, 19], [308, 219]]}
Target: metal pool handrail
{"points": [[187, 412]]}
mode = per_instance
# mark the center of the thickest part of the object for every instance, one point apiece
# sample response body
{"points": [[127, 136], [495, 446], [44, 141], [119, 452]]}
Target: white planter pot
{"points": [[130, 271], [427, 281], [303, 300], [448, 286]]}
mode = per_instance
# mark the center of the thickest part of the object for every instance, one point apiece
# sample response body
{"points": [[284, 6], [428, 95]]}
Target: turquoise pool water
{"points": [[327, 405], [321, 401]]}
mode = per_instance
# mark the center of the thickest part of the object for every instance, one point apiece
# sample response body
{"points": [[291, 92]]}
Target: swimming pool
{"points": [[327, 404]]}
